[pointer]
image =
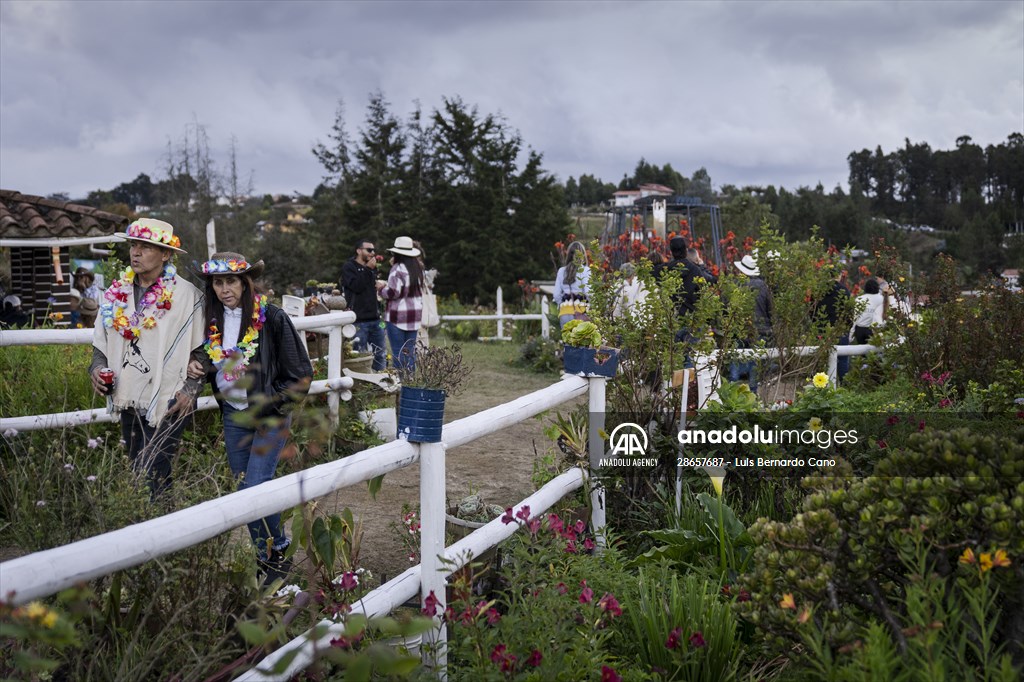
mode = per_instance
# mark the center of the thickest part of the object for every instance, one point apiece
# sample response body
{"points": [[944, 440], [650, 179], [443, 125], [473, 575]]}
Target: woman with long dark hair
{"points": [[403, 295], [572, 284], [257, 366]]}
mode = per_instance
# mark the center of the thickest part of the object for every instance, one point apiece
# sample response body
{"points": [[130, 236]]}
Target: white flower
{"points": [[90, 478], [288, 590], [93, 443], [69, 467], [40, 503], [10, 433]]}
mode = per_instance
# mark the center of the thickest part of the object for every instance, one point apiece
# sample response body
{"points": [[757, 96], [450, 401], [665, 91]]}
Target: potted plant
{"points": [[438, 373], [583, 354]]}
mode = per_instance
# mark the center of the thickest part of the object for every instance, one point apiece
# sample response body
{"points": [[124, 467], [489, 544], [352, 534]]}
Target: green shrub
{"points": [[539, 355], [844, 559]]}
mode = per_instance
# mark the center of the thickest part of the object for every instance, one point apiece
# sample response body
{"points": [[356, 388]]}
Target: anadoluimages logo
{"points": [[628, 440]]}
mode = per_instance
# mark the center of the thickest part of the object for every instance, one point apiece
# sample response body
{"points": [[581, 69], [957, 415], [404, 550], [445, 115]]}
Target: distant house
{"points": [[39, 233], [289, 218], [627, 197]]}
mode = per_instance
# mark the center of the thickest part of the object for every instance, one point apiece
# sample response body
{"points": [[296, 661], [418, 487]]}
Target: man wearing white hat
{"points": [[762, 317], [150, 324]]}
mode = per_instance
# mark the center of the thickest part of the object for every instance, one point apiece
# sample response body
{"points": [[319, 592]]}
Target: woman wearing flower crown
{"points": [[258, 366]]}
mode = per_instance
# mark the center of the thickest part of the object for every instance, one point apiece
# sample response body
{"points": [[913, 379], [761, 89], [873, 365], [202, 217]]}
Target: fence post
{"points": [[833, 366], [501, 311], [545, 323], [432, 575], [595, 444], [335, 353]]}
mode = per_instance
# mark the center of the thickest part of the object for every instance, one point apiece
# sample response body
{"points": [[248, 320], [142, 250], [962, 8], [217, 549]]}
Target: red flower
{"points": [[588, 544], [587, 595], [562, 588], [697, 640], [508, 518], [610, 604], [744, 596], [524, 513], [609, 675], [493, 617], [535, 658], [882, 444], [674, 638], [430, 605], [555, 523]]}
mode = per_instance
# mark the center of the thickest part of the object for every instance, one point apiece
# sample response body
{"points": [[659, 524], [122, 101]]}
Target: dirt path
{"points": [[497, 467]]}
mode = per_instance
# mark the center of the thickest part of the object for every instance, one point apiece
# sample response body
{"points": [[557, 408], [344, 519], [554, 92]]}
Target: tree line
{"points": [[465, 184]]}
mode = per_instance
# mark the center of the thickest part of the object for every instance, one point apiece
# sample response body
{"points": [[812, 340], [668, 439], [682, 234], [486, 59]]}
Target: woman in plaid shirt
{"points": [[403, 295]]}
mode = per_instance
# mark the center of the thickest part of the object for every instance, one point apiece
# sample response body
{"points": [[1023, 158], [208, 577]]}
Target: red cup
{"points": [[107, 377]]}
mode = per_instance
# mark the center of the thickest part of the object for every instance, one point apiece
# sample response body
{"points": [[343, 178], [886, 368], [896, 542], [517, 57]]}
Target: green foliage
{"points": [[844, 559], [581, 333], [681, 626], [967, 336], [539, 355]]}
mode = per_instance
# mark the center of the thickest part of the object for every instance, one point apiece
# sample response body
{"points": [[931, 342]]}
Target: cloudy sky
{"points": [[757, 92]]}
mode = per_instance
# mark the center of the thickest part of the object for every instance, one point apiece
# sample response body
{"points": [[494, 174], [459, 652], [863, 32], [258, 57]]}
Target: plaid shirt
{"points": [[402, 310]]}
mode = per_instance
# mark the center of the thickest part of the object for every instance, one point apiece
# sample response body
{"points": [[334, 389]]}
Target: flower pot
{"points": [[590, 362], [360, 363], [420, 414]]}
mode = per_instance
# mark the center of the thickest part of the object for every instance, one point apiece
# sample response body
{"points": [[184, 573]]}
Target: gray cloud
{"points": [[772, 92]]}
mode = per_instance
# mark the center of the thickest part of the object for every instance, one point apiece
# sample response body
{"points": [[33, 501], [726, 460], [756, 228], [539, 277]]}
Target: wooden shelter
{"points": [[39, 233]]}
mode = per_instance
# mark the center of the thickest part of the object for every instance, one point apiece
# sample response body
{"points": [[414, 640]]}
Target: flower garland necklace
{"points": [[246, 348], [157, 297]]}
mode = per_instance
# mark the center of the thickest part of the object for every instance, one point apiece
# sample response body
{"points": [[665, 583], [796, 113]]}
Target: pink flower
{"points": [[674, 638], [580, 527], [697, 640], [945, 402], [610, 604], [555, 523], [430, 605], [562, 588], [570, 547], [588, 544], [508, 518], [524, 513], [609, 675], [498, 652], [535, 658], [533, 525], [493, 617], [348, 581]]}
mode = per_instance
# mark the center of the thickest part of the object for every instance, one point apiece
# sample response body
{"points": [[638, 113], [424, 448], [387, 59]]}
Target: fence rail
{"points": [[501, 316], [337, 326]]}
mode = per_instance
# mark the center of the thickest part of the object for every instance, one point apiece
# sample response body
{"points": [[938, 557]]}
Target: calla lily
{"points": [[717, 477]]}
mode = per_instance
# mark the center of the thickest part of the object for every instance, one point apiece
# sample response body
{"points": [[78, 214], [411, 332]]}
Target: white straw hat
{"points": [[404, 246], [748, 266]]}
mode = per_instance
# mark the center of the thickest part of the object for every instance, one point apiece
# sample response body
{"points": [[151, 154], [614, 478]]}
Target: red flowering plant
{"points": [[556, 617]]}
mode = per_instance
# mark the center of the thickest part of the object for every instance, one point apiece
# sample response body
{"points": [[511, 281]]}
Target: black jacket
{"points": [[358, 286], [281, 362], [686, 296]]}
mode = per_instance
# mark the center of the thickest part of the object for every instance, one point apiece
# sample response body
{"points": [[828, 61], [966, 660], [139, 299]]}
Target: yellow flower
{"points": [[814, 424], [968, 556], [49, 620], [149, 322], [129, 275], [1000, 558], [35, 610], [820, 380], [787, 601], [985, 562], [902, 279]]}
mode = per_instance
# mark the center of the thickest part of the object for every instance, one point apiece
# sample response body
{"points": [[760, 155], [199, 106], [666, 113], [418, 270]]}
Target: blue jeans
{"points": [[403, 347], [252, 456], [370, 336], [843, 361], [738, 369]]}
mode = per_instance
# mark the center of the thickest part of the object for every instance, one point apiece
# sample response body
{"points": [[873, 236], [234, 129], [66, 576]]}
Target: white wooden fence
{"points": [[337, 326], [44, 573], [500, 316]]}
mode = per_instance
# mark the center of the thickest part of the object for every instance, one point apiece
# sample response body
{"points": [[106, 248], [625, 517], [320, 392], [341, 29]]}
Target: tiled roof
{"points": [[24, 216]]}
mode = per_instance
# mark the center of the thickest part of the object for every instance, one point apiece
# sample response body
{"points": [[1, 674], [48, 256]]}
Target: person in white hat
{"points": [[403, 296], [150, 324], [762, 318]]}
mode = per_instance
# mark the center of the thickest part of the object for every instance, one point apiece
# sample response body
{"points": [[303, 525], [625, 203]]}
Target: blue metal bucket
{"points": [[420, 414]]}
